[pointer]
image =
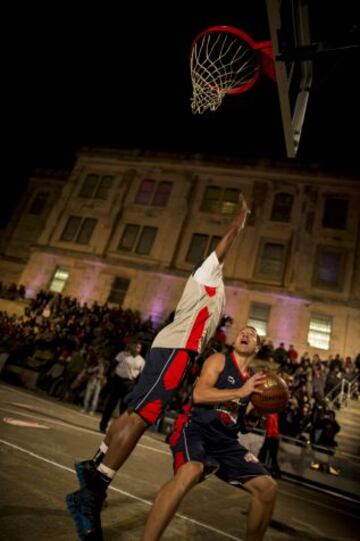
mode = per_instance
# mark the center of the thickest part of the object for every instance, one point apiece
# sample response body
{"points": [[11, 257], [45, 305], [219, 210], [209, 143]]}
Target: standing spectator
{"points": [[129, 364], [270, 447], [318, 385], [280, 354], [94, 385], [292, 354]]}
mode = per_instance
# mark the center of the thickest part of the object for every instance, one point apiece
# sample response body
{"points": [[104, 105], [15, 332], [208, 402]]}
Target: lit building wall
{"points": [[29, 219], [287, 259]]}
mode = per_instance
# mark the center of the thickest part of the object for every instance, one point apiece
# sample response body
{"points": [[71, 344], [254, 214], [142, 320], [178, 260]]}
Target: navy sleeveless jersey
{"points": [[224, 418]]}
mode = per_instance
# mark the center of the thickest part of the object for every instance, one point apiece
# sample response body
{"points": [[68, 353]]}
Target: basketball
{"points": [[274, 396]]}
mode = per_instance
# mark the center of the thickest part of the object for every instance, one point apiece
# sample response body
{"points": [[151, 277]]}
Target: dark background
{"points": [[119, 77]]}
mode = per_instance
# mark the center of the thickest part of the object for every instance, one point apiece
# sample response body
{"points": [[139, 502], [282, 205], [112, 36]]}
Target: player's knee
{"points": [[269, 490], [189, 475], [264, 488]]}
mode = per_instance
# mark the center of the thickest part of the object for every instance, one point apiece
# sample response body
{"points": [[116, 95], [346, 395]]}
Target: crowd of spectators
{"points": [[315, 386], [66, 344], [62, 341], [12, 292]]}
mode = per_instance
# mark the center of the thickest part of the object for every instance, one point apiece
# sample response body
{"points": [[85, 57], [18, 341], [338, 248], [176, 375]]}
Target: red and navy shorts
{"points": [[162, 375], [224, 457]]}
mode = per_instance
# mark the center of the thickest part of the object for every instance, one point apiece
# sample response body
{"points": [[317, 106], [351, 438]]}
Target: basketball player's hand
{"points": [[242, 215], [252, 385]]}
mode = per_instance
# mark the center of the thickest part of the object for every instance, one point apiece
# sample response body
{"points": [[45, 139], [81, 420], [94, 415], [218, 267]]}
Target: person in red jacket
{"points": [[270, 447]]}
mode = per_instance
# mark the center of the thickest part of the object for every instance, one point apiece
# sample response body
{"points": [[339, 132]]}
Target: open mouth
{"points": [[244, 341]]}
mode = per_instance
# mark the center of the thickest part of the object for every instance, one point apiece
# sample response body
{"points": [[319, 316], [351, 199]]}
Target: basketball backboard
{"points": [[291, 47]]}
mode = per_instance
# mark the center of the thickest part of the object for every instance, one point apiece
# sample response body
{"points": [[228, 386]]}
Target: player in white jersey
{"points": [[172, 353]]}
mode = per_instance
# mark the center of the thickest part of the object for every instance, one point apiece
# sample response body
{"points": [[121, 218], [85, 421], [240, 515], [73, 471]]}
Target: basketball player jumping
{"points": [[173, 350], [205, 441]]}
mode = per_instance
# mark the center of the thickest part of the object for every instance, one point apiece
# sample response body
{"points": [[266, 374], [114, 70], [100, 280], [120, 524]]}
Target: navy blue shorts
{"points": [[162, 375], [226, 458]]}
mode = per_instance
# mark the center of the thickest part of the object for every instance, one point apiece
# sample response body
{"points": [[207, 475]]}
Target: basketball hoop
{"points": [[226, 60]]}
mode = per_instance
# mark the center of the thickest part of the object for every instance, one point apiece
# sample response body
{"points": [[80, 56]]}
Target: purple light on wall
{"points": [[36, 282], [287, 317], [160, 303], [84, 293]]}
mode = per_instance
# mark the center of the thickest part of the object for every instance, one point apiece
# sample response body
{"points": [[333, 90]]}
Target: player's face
{"points": [[246, 341]]}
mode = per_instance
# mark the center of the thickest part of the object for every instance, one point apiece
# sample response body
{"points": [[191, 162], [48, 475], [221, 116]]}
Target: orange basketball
{"points": [[274, 396]]}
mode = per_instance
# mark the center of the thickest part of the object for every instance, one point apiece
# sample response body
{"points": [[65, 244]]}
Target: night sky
{"points": [[119, 77]]}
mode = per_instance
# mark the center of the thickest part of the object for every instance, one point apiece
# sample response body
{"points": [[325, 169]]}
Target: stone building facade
{"points": [[127, 227]]}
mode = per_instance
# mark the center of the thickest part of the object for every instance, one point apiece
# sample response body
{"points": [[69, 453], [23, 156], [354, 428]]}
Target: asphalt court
{"points": [[39, 440]]}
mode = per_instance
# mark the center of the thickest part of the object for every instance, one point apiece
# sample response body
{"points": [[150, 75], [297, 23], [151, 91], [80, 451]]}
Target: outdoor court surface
{"points": [[36, 471]]}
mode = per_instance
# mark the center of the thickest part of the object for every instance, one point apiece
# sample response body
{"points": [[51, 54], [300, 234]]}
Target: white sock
{"points": [[106, 471], [103, 447]]}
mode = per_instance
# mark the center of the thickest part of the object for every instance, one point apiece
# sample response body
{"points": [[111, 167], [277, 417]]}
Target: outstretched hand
{"points": [[243, 212]]}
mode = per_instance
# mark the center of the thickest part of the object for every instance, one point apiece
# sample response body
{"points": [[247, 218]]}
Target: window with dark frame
{"points": [[38, 203], [211, 199], [146, 240], [145, 192], [128, 239], [138, 239], [335, 213], [86, 230], [78, 229], [162, 194], [271, 262], [230, 201], [214, 241], [71, 229], [259, 315], [89, 185], [329, 267], [197, 248], [200, 247], [96, 186], [220, 200], [118, 290], [104, 187], [282, 207]]}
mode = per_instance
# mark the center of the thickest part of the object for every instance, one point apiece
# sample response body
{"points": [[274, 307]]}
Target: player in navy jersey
{"points": [[205, 440], [172, 353]]}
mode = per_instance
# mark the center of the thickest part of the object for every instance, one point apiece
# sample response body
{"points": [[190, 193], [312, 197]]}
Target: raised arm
{"points": [[205, 391], [236, 226]]}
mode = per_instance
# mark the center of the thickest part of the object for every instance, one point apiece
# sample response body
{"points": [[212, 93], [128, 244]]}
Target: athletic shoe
{"points": [[84, 507], [85, 471]]}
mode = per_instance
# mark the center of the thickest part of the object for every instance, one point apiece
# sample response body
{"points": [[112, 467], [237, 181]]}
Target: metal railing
{"points": [[341, 393]]}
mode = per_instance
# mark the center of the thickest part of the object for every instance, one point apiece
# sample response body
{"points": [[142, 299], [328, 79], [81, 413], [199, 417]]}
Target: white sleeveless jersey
{"points": [[198, 312]]}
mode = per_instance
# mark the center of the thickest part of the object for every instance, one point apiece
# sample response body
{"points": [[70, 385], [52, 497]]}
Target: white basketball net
{"points": [[220, 62]]}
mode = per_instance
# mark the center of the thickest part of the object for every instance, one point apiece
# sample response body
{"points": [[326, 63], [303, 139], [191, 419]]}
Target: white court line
{"points": [[77, 428], [66, 408], [146, 502], [91, 431]]}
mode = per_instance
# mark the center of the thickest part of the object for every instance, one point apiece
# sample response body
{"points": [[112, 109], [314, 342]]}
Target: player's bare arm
{"points": [[205, 391], [236, 226]]}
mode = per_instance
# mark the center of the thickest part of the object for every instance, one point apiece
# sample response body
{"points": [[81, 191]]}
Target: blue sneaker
{"points": [[85, 471], [84, 506]]}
